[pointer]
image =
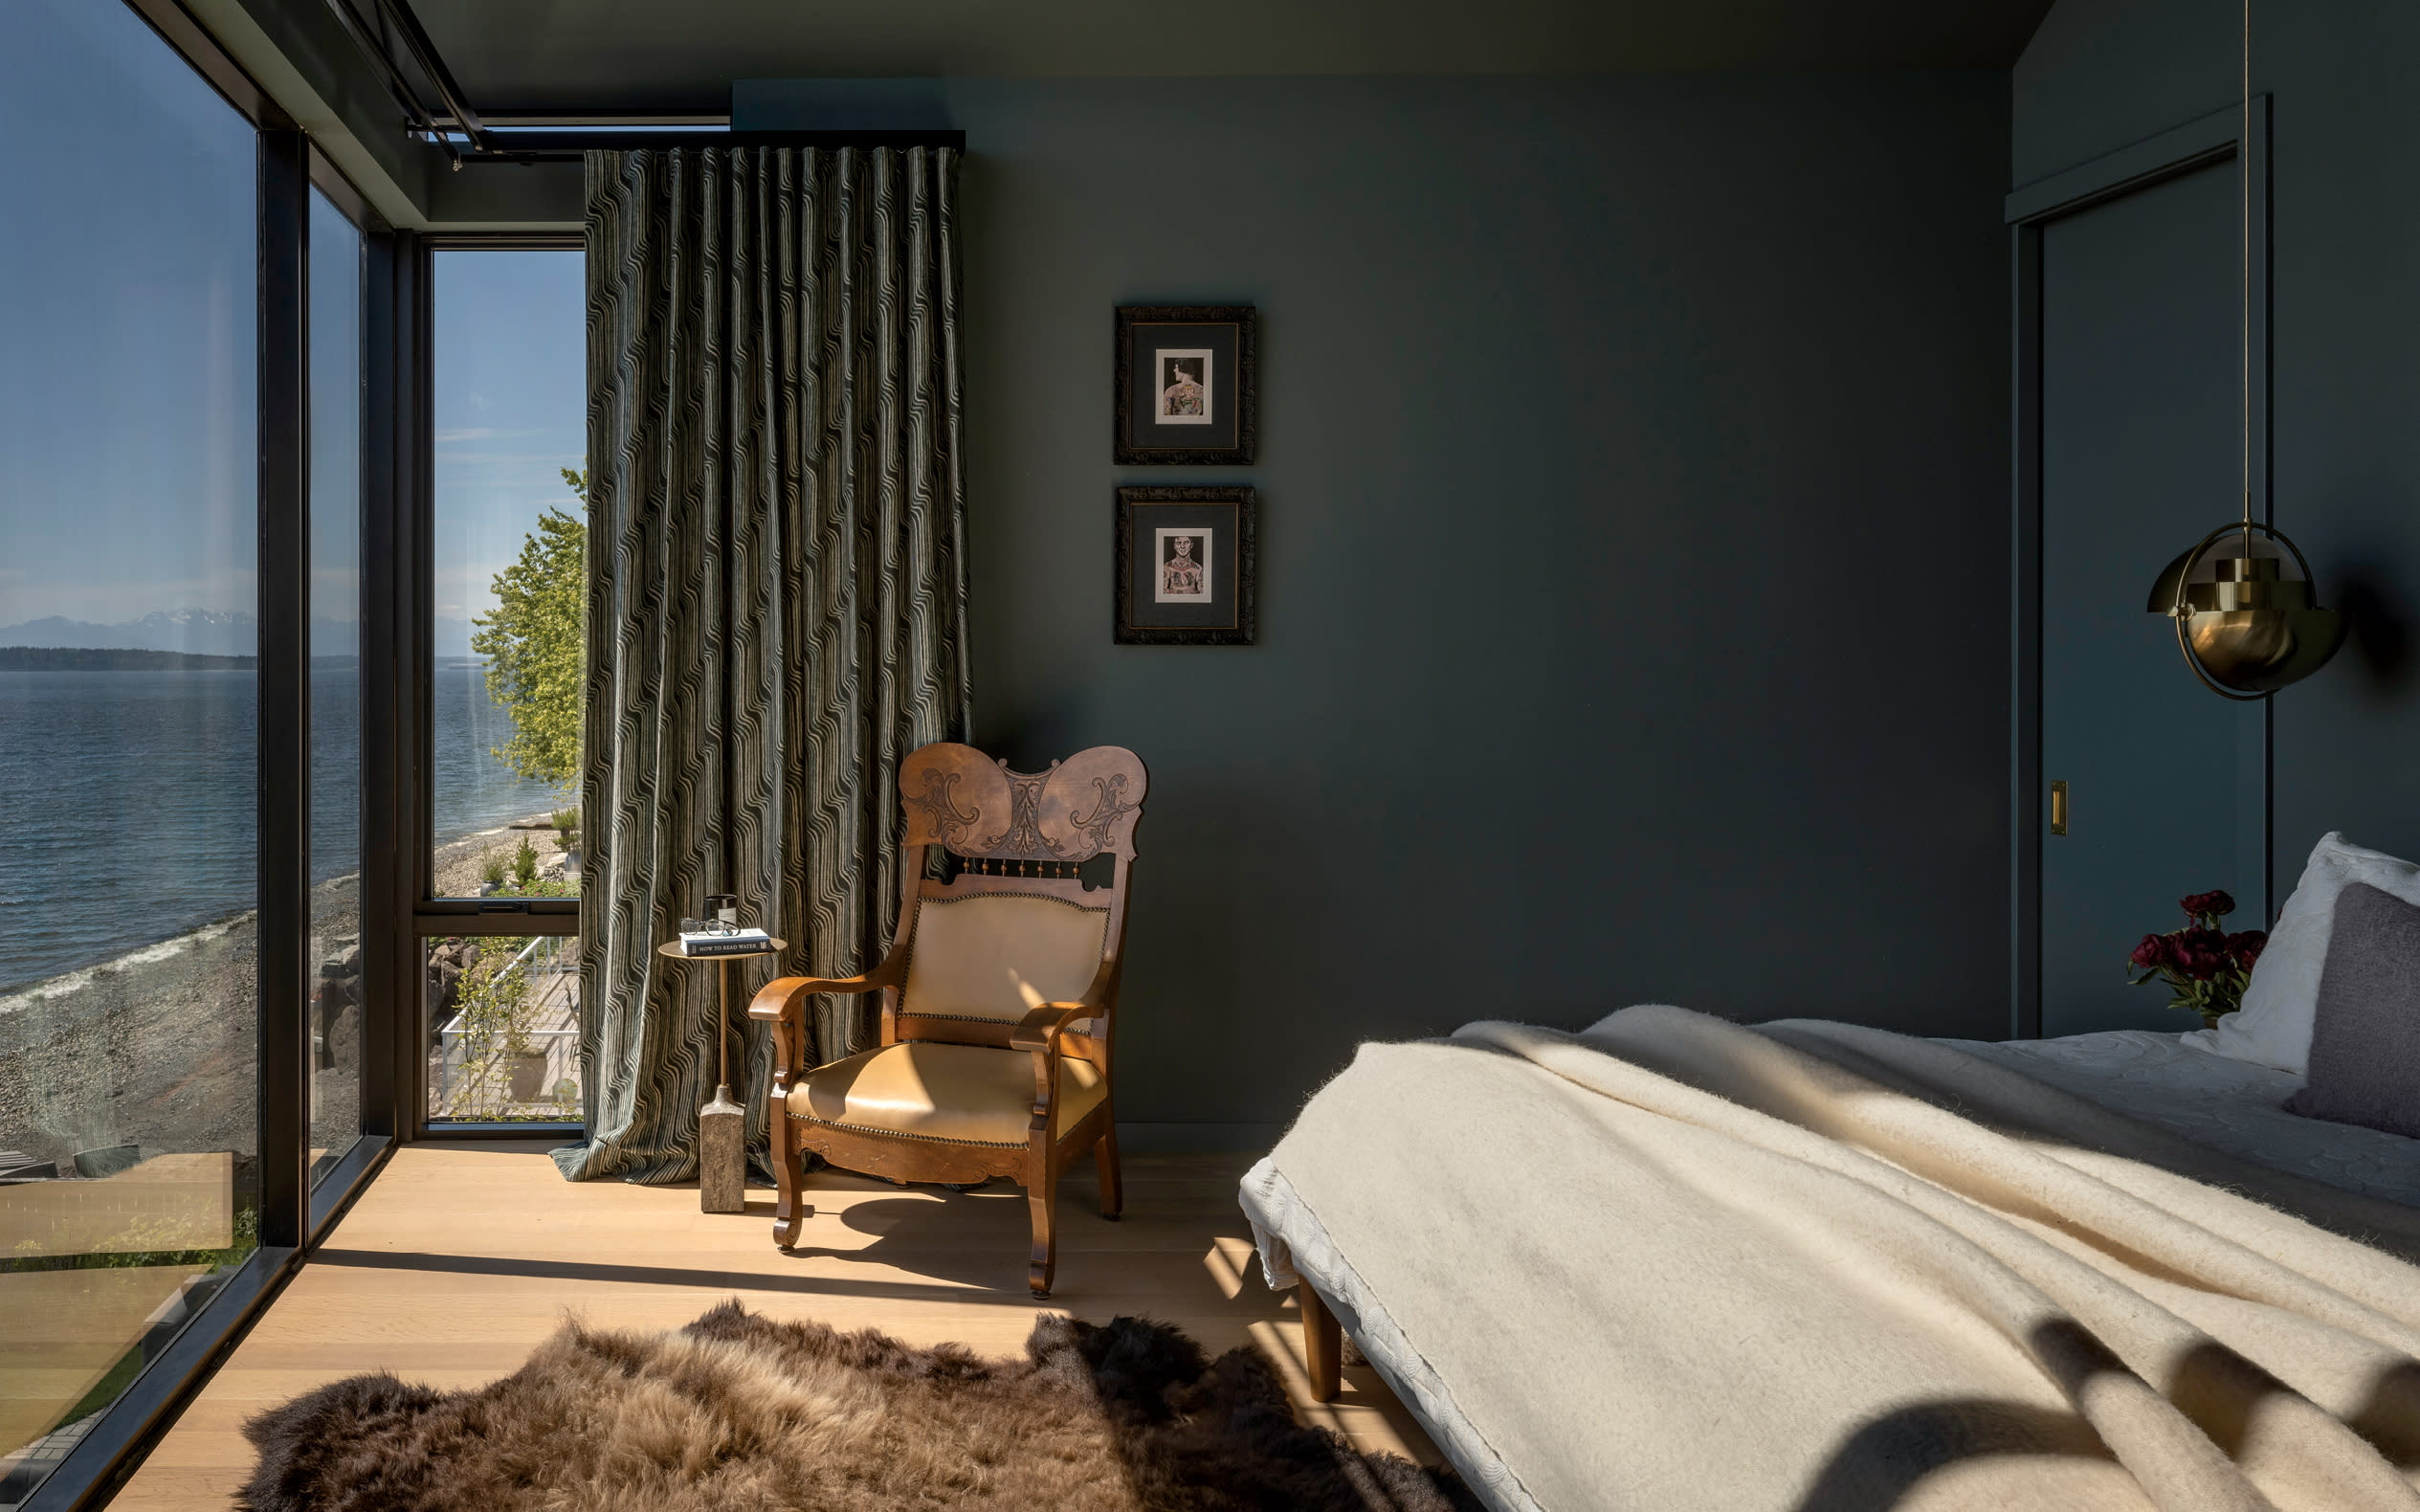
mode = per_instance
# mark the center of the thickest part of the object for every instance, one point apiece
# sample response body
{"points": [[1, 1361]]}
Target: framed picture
{"points": [[1184, 567], [1185, 385]]}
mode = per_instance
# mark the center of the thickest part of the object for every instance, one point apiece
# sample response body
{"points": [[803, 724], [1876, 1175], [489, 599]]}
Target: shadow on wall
{"points": [[2378, 617]]}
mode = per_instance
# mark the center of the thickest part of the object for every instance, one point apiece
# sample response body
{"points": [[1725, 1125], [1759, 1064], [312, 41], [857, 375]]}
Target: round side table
{"points": [[723, 1176]]}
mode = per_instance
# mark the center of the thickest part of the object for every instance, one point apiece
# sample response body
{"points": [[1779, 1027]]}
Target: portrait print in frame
{"points": [[1186, 567], [1183, 555], [1186, 375]]}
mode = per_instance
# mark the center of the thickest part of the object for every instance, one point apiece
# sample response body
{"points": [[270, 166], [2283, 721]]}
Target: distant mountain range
{"points": [[205, 631], [202, 632]]}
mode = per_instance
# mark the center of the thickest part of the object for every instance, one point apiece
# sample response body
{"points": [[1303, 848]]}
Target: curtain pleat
{"points": [[777, 600]]}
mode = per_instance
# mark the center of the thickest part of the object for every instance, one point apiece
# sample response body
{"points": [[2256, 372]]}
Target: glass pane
{"points": [[503, 1013], [511, 417], [335, 988], [129, 1077]]}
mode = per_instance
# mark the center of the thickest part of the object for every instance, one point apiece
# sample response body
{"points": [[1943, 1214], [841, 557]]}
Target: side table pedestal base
{"points": [[722, 1171]]}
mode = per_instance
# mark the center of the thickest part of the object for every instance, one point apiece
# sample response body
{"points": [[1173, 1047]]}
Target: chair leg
{"points": [[1041, 1198], [790, 1207], [1323, 1344], [1113, 1192]]}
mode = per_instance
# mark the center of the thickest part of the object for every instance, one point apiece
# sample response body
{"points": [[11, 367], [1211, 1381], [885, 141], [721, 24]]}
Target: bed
{"points": [[1673, 1262]]}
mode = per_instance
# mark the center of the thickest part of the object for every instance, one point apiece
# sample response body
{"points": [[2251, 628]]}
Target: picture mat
{"points": [[1223, 523], [1166, 363], [1164, 552], [1144, 343]]}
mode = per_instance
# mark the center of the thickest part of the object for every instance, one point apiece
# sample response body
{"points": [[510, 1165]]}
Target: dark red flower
{"points": [[2152, 954], [2207, 906], [2199, 953], [2245, 948]]}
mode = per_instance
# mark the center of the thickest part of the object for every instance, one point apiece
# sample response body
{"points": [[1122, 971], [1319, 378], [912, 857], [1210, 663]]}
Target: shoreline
{"points": [[452, 864]]}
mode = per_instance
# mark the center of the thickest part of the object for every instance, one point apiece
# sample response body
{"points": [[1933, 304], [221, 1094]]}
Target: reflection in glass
{"points": [[129, 1077], [335, 988]]}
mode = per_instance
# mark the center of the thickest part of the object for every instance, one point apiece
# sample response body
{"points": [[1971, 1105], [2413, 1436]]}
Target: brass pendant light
{"points": [[2244, 629]]}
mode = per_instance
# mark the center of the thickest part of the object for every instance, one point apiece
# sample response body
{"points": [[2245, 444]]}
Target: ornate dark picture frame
{"points": [[1216, 343], [1174, 544]]}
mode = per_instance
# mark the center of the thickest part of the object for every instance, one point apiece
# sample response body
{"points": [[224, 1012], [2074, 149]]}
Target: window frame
{"points": [[431, 917]]}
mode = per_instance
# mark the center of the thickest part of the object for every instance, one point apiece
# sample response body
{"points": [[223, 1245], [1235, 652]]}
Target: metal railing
{"points": [[464, 1084]]}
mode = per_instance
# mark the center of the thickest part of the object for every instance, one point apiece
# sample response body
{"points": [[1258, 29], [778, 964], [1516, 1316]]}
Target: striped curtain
{"points": [[777, 598]]}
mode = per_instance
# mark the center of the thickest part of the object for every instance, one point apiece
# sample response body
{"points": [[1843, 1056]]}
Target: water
{"points": [[127, 811]]}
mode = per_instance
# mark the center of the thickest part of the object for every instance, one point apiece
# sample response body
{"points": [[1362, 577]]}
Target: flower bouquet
{"points": [[2206, 968]]}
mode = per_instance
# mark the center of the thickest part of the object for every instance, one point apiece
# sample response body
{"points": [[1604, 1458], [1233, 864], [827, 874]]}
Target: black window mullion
{"points": [[284, 688]]}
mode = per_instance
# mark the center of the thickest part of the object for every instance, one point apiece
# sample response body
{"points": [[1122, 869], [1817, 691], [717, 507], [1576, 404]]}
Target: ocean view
{"points": [[127, 811]]}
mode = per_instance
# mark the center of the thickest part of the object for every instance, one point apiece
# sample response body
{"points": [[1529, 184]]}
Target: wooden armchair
{"points": [[999, 993]]}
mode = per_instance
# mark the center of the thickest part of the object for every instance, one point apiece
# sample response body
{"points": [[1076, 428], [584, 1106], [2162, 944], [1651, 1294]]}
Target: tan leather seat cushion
{"points": [[966, 1094], [997, 955]]}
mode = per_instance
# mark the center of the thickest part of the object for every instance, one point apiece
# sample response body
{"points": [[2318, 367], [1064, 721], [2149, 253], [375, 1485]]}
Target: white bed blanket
{"points": [[2215, 1101], [1673, 1263]]}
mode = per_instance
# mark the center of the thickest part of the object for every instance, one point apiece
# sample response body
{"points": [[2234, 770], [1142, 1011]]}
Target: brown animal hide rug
{"points": [[737, 1413]]}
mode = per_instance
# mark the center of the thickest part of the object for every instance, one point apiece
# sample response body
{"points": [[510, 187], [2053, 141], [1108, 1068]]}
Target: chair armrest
{"points": [[1041, 1027], [781, 1004], [784, 993]]}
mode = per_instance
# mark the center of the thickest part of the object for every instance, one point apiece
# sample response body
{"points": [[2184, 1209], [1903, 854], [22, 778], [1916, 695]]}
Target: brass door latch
{"points": [[2058, 807]]}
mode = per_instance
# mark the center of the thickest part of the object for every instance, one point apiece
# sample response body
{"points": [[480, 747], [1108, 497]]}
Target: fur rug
{"points": [[737, 1413]]}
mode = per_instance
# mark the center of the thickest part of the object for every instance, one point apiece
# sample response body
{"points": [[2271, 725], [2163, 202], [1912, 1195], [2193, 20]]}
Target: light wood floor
{"points": [[460, 1258]]}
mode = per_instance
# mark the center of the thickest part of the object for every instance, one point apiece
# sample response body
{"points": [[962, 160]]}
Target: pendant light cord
{"points": [[2243, 177]]}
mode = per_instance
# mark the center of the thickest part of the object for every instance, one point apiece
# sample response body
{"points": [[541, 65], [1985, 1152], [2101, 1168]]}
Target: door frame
{"points": [[2238, 132]]}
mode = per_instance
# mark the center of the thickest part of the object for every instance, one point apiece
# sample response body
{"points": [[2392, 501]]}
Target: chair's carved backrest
{"points": [[976, 808], [1035, 908]]}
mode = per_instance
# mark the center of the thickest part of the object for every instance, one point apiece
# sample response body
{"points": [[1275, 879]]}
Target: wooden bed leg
{"points": [[1323, 1344]]}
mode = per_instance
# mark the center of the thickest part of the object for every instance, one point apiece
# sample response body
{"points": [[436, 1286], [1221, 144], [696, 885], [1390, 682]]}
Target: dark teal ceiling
{"points": [[680, 54]]}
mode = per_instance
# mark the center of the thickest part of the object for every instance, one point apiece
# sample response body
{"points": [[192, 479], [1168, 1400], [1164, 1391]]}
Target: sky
{"points": [[510, 342], [128, 386]]}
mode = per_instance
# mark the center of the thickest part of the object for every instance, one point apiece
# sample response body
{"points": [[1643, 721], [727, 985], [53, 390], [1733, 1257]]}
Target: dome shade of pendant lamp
{"points": [[2245, 630]]}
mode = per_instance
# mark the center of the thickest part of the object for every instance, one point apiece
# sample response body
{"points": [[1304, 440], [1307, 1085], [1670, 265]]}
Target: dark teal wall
{"points": [[2103, 73], [1633, 559]]}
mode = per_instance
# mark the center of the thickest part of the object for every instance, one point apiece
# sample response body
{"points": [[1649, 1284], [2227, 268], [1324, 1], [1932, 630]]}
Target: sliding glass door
{"points": [[130, 1069]]}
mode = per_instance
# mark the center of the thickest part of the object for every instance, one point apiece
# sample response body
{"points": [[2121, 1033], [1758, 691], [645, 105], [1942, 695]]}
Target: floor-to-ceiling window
{"points": [[508, 353], [129, 1073], [336, 990]]}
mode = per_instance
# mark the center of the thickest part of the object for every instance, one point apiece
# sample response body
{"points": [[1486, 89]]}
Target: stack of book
{"points": [[746, 942]]}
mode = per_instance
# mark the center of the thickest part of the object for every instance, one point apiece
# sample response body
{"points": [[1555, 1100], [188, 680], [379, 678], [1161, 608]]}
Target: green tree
{"points": [[534, 644]]}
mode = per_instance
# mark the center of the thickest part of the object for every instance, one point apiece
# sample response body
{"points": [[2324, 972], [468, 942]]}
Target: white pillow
{"points": [[2273, 1028]]}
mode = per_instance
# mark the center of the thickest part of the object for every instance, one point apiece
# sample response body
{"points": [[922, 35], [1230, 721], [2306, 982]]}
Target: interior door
{"points": [[2141, 448]]}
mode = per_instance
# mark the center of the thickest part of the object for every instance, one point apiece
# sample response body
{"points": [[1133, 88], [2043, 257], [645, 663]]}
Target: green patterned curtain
{"points": [[777, 599]]}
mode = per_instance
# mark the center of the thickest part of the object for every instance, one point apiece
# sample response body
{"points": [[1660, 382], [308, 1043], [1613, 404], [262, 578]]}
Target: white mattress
{"points": [[2232, 1106], [2228, 1105]]}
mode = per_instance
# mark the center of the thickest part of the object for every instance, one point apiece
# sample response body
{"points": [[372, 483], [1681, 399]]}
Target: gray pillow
{"points": [[2366, 1034]]}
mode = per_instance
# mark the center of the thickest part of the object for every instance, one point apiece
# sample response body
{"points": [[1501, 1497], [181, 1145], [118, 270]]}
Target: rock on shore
{"points": [[159, 1048]]}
